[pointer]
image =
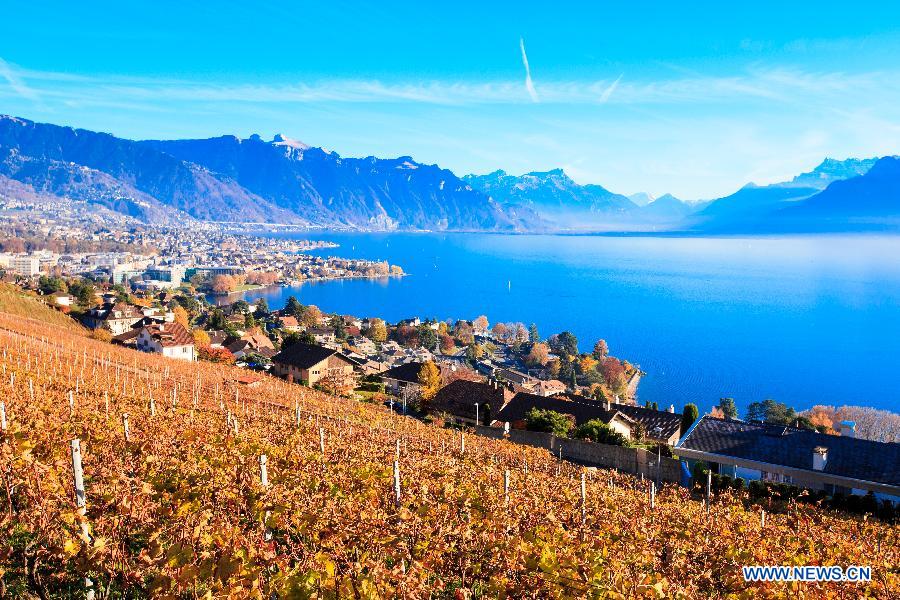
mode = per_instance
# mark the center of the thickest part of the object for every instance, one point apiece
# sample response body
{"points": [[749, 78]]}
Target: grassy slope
{"points": [[16, 302]]}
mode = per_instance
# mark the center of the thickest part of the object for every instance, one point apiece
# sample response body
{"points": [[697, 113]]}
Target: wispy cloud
{"points": [[752, 85], [15, 82], [608, 92], [529, 84]]}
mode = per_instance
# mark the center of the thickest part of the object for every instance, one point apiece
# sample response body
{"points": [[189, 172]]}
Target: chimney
{"points": [[820, 458], [671, 409], [848, 429], [608, 406]]}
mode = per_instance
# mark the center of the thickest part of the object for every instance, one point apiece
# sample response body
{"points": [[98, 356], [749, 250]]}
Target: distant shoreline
{"points": [[615, 234]]}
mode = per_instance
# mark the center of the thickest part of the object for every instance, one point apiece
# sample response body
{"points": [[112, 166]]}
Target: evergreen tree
{"points": [[293, 307], [688, 416], [728, 408]]}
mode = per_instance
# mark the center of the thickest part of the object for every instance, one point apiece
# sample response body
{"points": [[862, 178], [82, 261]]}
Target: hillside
{"points": [[15, 302], [96, 166], [179, 506]]}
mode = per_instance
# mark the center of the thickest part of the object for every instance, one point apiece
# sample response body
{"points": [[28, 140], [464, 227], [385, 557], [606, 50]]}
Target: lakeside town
{"points": [[495, 379]]}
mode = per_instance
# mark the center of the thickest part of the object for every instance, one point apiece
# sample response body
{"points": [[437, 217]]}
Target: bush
{"points": [[549, 421], [596, 430], [758, 490], [102, 335]]}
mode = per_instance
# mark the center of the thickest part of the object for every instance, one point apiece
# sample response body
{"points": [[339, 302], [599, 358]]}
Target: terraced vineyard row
{"points": [[223, 490]]}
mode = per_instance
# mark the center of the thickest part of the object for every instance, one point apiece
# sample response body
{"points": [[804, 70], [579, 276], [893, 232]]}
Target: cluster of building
{"points": [[172, 256]]}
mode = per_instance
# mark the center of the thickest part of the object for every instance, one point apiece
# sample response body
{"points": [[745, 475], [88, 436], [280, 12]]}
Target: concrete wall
{"points": [[636, 461]]}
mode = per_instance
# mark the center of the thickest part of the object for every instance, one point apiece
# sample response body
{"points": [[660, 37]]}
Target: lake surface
{"points": [[804, 320]]}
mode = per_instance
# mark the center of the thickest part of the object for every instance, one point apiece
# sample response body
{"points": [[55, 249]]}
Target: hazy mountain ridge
{"points": [[782, 206], [831, 170], [868, 202], [558, 200]]}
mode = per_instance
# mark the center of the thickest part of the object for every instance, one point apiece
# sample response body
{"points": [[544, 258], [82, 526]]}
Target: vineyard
{"points": [[185, 483]]}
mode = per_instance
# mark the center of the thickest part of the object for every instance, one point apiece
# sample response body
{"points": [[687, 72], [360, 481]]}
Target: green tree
{"points": [[596, 430], [217, 319], [771, 411], [340, 332], [651, 405], [240, 306], [188, 303], [262, 307], [302, 337], [83, 291], [690, 414], [564, 343], [474, 352], [428, 337], [601, 350], [293, 307], [533, 335], [549, 421], [728, 408], [49, 285]]}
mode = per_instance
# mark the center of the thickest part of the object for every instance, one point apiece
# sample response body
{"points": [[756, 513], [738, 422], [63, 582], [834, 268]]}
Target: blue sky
{"points": [[694, 100]]}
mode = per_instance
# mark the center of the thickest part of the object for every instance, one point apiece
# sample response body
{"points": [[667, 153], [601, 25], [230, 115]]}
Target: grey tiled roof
{"points": [[669, 423], [303, 356], [792, 447], [408, 372], [459, 397]]}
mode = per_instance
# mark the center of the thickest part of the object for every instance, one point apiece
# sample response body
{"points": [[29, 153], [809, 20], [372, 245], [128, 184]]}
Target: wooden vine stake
{"points": [[3, 417], [397, 482], [506, 487], [125, 427], [708, 491], [652, 495], [81, 505], [264, 481], [322, 440]]}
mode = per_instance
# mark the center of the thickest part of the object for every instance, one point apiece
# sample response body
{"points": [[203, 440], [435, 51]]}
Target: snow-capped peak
{"points": [[280, 140]]}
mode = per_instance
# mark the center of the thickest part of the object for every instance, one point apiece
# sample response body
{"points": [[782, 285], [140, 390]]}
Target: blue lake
{"points": [[804, 320]]}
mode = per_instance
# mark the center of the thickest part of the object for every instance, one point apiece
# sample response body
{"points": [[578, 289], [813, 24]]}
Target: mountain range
{"points": [[245, 180], [286, 181]]}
